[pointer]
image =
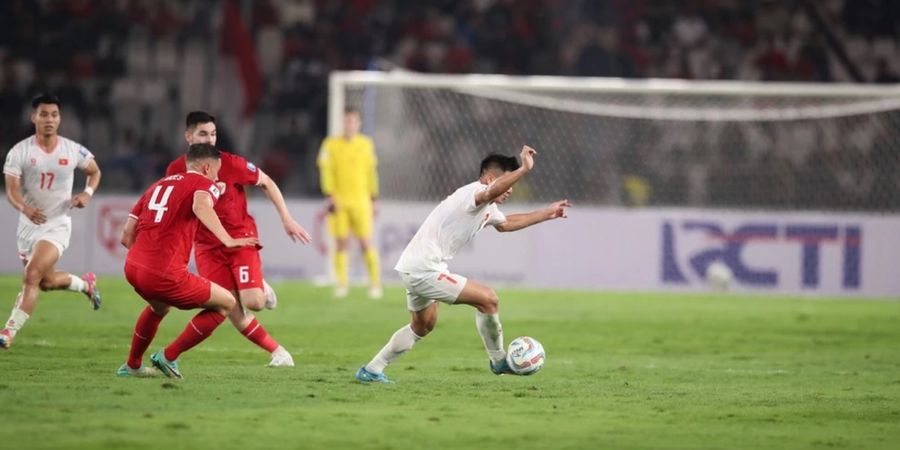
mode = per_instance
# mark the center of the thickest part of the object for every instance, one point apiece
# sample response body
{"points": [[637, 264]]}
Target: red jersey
{"points": [[236, 172], [166, 223]]}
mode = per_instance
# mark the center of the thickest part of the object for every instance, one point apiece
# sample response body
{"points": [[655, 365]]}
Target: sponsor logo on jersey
{"points": [[84, 152], [33, 161], [251, 167], [63, 162], [215, 191]]}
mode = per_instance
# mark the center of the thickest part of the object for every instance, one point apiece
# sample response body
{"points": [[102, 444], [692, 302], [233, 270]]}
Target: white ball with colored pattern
{"points": [[525, 355]]}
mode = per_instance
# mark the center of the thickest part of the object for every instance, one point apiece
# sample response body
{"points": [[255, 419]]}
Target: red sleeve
{"points": [[208, 187], [177, 166], [241, 170], [138, 207]]}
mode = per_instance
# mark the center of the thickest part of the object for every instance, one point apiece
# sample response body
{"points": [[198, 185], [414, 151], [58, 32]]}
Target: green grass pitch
{"points": [[623, 371]]}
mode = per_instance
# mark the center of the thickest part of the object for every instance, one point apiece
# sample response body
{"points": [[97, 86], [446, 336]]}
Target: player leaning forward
{"points": [[39, 174], [423, 264], [159, 236], [238, 269]]}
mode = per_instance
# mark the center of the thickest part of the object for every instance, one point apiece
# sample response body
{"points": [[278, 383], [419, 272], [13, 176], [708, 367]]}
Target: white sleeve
{"points": [[470, 192], [83, 156], [497, 216], [13, 165]]}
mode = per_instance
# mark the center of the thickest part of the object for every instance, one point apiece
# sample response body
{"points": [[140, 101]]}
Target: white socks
{"points": [[16, 320], [401, 342], [77, 284], [491, 334]]}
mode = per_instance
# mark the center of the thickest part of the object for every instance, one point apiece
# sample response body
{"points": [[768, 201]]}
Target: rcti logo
{"points": [[728, 248]]}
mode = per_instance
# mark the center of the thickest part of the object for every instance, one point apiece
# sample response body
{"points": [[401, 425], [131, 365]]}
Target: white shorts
{"points": [[425, 288], [56, 231]]}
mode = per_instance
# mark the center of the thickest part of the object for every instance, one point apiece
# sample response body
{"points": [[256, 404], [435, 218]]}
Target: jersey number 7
{"points": [[159, 205]]}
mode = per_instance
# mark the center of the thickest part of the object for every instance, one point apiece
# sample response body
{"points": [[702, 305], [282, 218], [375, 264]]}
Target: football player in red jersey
{"points": [[239, 269], [159, 235]]}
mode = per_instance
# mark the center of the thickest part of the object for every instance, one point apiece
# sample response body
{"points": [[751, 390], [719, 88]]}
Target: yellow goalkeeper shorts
{"points": [[351, 216]]}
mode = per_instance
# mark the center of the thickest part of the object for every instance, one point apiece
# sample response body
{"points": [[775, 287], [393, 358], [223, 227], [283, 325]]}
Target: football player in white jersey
{"points": [[423, 264], [39, 173]]}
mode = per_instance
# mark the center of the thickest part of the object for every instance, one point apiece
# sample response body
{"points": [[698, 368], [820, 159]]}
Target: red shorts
{"points": [[182, 290], [233, 269]]}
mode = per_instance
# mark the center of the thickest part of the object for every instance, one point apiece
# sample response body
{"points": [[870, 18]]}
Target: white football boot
{"points": [[281, 358]]}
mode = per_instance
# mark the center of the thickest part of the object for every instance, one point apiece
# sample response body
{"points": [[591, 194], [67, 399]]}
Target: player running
{"points": [[159, 235], [239, 269], [423, 264], [349, 178], [39, 173]]}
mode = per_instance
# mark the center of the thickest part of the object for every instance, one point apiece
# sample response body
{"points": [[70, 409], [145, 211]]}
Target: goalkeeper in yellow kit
{"points": [[349, 177]]}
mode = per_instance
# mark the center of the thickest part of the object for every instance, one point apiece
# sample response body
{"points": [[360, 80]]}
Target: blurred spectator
{"points": [[109, 60]]}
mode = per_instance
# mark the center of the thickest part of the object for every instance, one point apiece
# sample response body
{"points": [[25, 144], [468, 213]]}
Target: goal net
{"points": [[635, 143]]}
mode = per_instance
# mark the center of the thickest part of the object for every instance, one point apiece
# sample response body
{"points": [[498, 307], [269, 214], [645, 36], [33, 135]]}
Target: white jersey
{"points": [[449, 227], [46, 178]]}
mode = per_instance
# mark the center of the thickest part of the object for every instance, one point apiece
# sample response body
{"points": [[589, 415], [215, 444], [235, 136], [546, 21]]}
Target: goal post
{"points": [[611, 142]]}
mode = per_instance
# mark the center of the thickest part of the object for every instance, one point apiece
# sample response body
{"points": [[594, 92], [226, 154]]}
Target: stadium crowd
{"points": [[126, 70]]}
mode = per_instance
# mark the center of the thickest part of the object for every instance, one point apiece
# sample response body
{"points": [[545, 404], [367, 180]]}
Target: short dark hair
{"points": [[351, 110], [195, 118], [202, 151], [498, 161], [45, 99]]}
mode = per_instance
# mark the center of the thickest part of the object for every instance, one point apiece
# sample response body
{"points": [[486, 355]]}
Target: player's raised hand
{"points": [[296, 232], [80, 200], [557, 210], [527, 157], [36, 215], [242, 242]]}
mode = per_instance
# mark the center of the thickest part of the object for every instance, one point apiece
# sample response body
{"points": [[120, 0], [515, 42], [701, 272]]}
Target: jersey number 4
{"points": [[159, 204]]}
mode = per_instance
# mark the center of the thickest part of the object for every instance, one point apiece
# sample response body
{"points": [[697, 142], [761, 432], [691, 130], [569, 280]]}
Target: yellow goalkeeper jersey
{"points": [[347, 168]]}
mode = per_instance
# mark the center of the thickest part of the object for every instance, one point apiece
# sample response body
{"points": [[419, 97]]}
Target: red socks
{"points": [[259, 336], [196, 331], [144, 331]]}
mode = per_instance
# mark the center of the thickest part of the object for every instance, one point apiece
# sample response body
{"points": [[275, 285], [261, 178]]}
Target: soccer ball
{"points": [[719, 276], [525, 355]]}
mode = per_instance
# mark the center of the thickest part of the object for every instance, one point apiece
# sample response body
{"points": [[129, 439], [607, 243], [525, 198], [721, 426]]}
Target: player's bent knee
{"points": [[423, 325], [225, 306], [422, 329], [220, 299], [159, 308], [33, 277], [254, 300], [491, 302], [45, 285]]}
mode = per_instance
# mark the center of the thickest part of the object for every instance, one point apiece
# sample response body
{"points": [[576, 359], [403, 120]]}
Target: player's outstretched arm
{"points": [[203, 209], [515, 222], [129, 232], [14, 196], [291, 227], [81, 199], [507, 180]]}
